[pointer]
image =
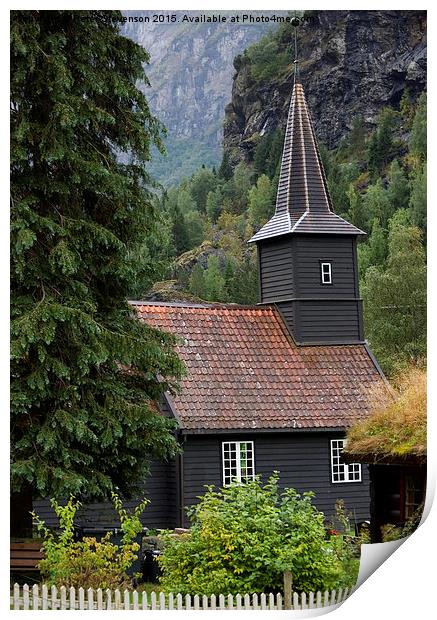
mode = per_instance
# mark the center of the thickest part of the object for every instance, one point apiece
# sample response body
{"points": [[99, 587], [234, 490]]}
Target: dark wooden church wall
{"points": [[303, 460], [276, 269], [290, 276], [159, 488], [310, 251], [327, 321]]}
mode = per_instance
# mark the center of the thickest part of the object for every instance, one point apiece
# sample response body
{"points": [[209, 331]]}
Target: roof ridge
{"points": [[204, 306]]}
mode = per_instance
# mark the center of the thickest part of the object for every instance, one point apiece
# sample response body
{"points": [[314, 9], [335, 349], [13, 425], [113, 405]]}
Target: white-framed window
{"points": [[340, 470], [326, 273], [238, 461]]}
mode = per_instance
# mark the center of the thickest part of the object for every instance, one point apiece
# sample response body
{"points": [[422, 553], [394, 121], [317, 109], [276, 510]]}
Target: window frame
{"points": [[322, 280], [238, 478], [349, 469]]}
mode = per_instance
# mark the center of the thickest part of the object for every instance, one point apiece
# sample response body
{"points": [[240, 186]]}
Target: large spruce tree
{"points": [[85, 371]]}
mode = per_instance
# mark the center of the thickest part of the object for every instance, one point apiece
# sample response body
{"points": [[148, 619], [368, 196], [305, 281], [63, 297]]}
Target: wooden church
{"points": [[273, 386]]}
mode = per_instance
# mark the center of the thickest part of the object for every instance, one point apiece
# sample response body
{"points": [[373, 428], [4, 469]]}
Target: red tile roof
{"points": [[245, 372]]}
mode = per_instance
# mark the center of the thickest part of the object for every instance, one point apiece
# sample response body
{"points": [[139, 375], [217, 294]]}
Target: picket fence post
{"points": [[126, 599], [288, 589], [81, 598], [99, 598], [179, 602], [144, 602], [162, 603], [71, 597], [171, 601]]}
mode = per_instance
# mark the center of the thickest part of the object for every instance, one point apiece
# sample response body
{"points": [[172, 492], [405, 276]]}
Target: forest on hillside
{"points": [[377, 181]]}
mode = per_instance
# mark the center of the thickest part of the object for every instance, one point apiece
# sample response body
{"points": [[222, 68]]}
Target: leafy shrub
{"points": [[242, 539], [390, 532], [347, 544], [88, 563]]}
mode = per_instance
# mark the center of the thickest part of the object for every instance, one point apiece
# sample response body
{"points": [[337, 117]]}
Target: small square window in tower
{"points": [[326, 273]]}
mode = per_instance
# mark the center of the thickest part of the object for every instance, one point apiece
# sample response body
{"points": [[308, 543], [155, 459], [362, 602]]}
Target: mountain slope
{"points": [[190, 72]]}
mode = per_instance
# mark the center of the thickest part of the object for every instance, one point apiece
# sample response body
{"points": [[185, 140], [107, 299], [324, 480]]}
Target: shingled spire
{"points": [[307, 255], [303, 204]]}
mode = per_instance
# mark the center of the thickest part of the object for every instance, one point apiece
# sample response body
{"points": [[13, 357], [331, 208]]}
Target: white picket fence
{"points": [[41, 597]]}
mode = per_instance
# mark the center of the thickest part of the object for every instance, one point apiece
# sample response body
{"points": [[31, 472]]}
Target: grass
{"points": [[395, 429], [149, 587]]}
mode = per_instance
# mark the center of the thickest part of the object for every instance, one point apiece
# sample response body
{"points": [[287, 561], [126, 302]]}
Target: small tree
{"points": [[398, 187], [88, 563], [203, 182], [260, 202], [225, 170], [244, 536], [418, 131], [356, 213], [381, 142], [214, 203], [357, 136], [418, 197], [197, 281], [395, 298], [214, 281], [374, 252], [377, 203]]}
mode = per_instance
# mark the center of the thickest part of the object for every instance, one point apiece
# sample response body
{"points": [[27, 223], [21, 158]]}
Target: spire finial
{"points": [[296, 23]]}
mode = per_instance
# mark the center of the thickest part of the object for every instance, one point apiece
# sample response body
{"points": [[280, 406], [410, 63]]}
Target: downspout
{"points": [[181, 494]]}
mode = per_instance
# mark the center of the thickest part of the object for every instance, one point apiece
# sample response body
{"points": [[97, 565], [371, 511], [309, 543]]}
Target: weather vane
{"points": [[295, 21]]}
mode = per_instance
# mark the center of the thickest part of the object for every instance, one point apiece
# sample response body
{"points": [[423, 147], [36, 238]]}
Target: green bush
{"points": [[244, 536], [88, 563]]}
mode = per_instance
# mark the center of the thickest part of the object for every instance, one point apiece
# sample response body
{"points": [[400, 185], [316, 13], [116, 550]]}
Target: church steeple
{"points": [[308, 254], [303, 204]]}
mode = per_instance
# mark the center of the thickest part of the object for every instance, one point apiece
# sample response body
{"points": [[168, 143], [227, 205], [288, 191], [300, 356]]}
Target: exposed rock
{"points": [[170, 290], [198, 256], [352, 63]]}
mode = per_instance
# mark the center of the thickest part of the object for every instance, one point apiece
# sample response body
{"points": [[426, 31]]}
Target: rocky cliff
{"points": [[351, 63]]}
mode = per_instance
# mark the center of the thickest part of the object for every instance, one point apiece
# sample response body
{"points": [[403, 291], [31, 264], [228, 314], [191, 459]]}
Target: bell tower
{"points": [[307, 254]]}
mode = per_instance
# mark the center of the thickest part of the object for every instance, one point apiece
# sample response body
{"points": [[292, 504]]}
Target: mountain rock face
{"points": [[352, 63], [190, 72]]}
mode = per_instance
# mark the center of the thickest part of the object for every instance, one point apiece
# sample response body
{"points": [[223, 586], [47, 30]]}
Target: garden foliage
{"points": [[88, 563], [244, 536]]}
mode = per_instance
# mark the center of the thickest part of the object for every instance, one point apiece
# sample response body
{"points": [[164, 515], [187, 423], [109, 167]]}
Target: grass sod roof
{"points": [[396, 430]]}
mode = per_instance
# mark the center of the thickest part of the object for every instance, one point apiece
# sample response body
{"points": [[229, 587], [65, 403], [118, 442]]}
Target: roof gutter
{"points": [[239, 431]]}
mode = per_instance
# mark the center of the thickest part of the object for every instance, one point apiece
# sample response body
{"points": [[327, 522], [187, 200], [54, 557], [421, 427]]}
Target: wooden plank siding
{"points": [[303, 460], [290, 277], [276, 269], [310, 251], [328, 321], [159, 488]]}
